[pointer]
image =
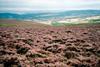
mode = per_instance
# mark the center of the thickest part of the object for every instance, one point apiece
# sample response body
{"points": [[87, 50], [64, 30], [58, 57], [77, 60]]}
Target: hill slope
{"points": [[48, 15]]}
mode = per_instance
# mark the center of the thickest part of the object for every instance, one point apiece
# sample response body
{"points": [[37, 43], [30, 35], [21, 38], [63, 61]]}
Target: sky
{"points": [[46, 5]]}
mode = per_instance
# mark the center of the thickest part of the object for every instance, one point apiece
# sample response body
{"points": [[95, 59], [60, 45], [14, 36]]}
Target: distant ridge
{"points": [[48, 15]]}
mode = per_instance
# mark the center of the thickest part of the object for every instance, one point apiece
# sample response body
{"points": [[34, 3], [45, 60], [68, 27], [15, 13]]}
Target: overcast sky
{"points": [[30, 5]]}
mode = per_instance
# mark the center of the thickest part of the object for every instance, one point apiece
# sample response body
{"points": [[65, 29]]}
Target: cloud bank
{"points": [[30, 5]]}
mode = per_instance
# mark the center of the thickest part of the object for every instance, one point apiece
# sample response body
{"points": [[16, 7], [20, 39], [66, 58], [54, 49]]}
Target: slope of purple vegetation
{"points": [[73, 46]]}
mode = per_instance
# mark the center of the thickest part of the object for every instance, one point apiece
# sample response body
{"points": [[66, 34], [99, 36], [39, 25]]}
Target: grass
{"points": [[56, 24], [37, 25], [6, 25], [91, 22], [94, 21], [63, 24]]}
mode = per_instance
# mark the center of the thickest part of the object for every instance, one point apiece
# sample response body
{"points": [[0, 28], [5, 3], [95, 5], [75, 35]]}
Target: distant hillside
{"points": [[48, 15], [17, 23]]}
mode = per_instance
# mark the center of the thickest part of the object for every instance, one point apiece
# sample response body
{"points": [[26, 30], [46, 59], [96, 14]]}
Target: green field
{"points": [[10, 23], [6, 25], [90, 22]]}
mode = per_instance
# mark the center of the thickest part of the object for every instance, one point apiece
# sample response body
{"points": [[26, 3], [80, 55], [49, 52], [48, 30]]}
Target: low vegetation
{"points": [[6, 25], [56, 24], [90, 22], [62, 24], [34, 45], [94, 21]]}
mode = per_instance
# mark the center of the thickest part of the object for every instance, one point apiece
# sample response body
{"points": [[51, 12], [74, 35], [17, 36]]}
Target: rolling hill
{"points": [[50, 15]]}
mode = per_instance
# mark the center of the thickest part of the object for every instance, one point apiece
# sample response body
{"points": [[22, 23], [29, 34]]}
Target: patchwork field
{"points": [[28, 44]]}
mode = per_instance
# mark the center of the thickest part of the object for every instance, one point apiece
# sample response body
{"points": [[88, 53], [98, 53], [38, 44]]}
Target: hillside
{"points": [[28, 44], [50, 15]]}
